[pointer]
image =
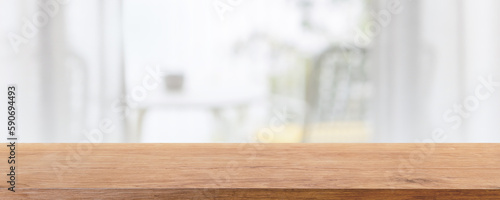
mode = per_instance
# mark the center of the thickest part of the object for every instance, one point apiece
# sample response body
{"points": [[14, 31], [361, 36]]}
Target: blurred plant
{"points": [[331, 79]]}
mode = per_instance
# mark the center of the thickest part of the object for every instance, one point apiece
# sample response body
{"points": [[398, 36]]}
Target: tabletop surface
{"points": [[253, 170]]}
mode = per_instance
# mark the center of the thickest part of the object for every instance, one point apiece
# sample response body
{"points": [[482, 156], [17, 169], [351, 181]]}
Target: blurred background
{"points": [[253, 70]]}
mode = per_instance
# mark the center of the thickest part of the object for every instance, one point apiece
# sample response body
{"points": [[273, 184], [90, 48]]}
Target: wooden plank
{"points": [[251, 194], [250, 171]]}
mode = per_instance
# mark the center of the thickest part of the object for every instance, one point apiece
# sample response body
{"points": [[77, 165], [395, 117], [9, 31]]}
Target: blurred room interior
{"points": [[253, 70]]}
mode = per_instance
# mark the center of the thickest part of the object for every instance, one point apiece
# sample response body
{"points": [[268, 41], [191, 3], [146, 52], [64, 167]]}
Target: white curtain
{"points": [[430, 60], [69, 71]]}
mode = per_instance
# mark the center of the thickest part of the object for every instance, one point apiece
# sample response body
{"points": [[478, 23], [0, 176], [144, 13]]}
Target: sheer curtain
{"points": [[430, 60], [69, 69]]}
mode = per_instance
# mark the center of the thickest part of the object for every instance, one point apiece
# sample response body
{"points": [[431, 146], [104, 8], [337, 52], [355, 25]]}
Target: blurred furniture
{"points": [[215, 103], [337, 95]]}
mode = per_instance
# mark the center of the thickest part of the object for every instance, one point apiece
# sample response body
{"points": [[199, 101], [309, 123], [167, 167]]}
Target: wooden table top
{"points": [[254, 171]]}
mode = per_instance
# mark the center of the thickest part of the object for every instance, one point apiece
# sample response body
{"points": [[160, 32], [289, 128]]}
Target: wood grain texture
{"points": [[255, 171]]}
